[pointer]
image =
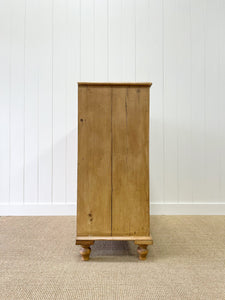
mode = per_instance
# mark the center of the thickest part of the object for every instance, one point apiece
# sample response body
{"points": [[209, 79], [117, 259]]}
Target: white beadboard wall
{"points": [[46, 46]]}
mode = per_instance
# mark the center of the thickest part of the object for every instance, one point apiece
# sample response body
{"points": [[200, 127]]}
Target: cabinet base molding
{"points": [[87, 241]]}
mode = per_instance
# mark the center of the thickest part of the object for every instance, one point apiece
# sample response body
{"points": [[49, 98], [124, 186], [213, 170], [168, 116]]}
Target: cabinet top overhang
{"points": [[146, 84]]}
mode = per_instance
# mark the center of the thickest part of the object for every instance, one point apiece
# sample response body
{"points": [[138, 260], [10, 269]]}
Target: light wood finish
{"points": [[136, 84], [85, 250], [137, 239], [94, 161], [130, 161], [142, 251], [144, 241], [113, 164], [84, 242]]}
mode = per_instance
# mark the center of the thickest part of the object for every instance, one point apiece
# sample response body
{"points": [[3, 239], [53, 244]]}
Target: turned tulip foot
{"points": [[142, 251], [143, 247], [85, 249]]}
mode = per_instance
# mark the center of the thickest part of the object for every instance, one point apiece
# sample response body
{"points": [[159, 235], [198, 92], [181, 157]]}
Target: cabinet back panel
{"points": [[130, 161], [94, 161]]}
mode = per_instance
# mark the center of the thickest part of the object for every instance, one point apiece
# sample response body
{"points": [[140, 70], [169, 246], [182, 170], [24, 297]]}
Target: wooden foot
{"points": [[142, 251], [142, 247], [85, 249]]}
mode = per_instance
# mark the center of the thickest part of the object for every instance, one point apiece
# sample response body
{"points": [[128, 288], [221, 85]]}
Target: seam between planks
{"points": [[111, 159]]}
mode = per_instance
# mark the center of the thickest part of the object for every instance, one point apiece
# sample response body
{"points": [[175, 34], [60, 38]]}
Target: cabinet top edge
{"points": [[147, 84]]}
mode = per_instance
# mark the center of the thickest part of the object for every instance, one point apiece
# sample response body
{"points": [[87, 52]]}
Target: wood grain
{"points": [[142, 251], [85, 250], [94, 161], [139, 239], [130, 161]]}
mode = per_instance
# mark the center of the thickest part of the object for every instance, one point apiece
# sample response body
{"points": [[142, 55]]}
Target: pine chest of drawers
{"points": [[113, 164]]}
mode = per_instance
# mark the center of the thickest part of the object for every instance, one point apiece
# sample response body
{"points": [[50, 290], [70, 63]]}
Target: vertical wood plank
{"points": [[31, 102], [59, 100], [5, 98], [94, 161], [17, 102], [130, 161], [45, 102]]}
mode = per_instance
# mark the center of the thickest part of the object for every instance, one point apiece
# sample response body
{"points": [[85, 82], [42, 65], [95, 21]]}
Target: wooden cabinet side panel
{"points": [[130, 161], [94, 161]]}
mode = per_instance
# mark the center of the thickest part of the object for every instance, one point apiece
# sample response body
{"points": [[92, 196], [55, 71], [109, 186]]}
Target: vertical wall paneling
{"points": [[59, 67], [171, 73], [31, 64], [183, 96], [87, 40], [221, 88], [45, 93], [149, 67], [197, 99], [47, 46], [143, 38], [212, 142], [17, 121], [101, 40], [128, 40], [115, 40], [5, 99], [73, 69]]}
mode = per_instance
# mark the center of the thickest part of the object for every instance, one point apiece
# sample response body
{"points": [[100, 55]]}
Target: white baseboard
{"points": [[40, 209], [187, 209], [68, 209]]}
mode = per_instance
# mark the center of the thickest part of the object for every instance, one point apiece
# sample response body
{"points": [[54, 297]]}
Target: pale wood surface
{"points": [[143, 241], [113, 162], [130, 161], [142, 251], [85, 250], [139, 239], [85, 242], [115, 84], [94, 161]]}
